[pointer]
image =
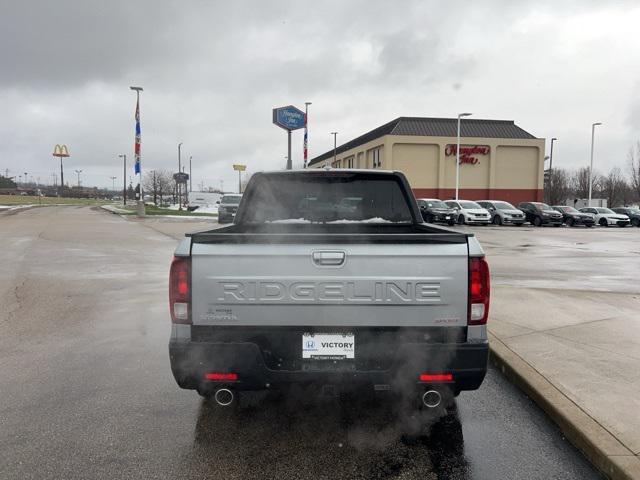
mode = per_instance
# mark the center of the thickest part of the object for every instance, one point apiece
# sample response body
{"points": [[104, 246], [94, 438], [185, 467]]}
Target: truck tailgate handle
{"points": [[333, 258]]}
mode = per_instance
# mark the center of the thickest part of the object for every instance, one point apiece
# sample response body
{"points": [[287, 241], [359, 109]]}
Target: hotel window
{"points": [[375, 158]]}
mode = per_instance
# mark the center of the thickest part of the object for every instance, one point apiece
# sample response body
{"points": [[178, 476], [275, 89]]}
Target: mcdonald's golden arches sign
{"points": [[60, 151]]}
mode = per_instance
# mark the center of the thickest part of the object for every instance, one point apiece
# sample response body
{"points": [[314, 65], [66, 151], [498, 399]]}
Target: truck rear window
{"points": [[339, 198]]}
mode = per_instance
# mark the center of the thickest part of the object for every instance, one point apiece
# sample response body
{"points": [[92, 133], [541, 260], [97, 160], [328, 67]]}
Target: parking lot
{"points": [[87, 390]]}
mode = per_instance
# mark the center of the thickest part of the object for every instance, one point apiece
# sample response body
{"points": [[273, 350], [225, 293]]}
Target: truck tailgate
{"points": [[359, 285]]}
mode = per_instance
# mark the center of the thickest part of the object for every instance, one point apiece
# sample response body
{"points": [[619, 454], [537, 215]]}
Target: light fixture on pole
{"points": [[78, 172], [190, 177], [138, 164], [305, 146], [335, 135], [593, 129], [113, 181], [124, 178], [460, 115]]}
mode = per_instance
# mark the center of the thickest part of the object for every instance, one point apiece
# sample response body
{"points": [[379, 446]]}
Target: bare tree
{"points": [[165, 184], [613, 187], [557, 186], [579, 182], [150, 184], [158, 183]]}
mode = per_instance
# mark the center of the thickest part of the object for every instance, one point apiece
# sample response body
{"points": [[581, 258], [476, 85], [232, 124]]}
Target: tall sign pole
{"points": [[289, 118], [240, 169], [305, 146], [138, 163], [61, 151]]}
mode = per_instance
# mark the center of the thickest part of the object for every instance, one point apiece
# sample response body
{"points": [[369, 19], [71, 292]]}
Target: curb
{"points": [[12, 210], [600, 447], [128, 213]]}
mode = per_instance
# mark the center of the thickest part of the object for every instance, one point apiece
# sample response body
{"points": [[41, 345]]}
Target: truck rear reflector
{"points": [[436, 377], [180, 290], [221, 376], [479, 288]]}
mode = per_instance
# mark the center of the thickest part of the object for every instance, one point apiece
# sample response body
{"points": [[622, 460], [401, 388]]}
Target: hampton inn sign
{"points": [[468, 152]]}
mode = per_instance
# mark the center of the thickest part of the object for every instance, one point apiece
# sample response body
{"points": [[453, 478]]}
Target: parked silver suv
{"points": [[503, 213]]}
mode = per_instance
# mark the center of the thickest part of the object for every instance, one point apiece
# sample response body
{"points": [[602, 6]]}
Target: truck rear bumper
{"points": [[191, 361]]}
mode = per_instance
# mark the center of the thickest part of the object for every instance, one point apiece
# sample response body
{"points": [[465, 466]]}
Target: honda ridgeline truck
{"points": [[329, 278]]}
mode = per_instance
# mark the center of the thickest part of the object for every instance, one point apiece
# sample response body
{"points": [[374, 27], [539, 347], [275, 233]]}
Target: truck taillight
{"points": [[180, 290], [479, 288]]}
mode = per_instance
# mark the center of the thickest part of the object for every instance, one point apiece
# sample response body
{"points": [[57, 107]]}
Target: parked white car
{"points": [[606, 217], [470, 213]]}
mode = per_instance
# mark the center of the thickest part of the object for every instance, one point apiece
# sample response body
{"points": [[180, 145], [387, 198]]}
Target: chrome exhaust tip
{"points": [[223, 397], [431, 398]]}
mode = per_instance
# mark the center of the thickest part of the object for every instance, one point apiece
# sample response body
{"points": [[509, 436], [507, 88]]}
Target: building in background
{"points": [[498, 159]]}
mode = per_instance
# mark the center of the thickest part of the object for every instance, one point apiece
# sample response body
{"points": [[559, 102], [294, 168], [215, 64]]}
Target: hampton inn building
{"points": [[498, 159]]}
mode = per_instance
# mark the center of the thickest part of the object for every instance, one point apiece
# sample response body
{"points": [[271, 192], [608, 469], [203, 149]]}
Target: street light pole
{"points": [[78, 172], [178, 183], [124, 178], [551, 154], [335, 134], [593, 129], [113, 183], [190, 177], [460, 115], [306, 133]]}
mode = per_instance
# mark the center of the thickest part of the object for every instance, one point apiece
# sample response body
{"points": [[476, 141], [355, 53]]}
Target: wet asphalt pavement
{"points": [[86, 390]]}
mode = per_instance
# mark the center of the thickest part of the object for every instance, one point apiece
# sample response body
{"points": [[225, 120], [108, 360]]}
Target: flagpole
{"points": [[138, 161]]}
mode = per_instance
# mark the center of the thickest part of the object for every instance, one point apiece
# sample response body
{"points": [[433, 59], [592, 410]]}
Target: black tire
{"points": [[497, 220], [429, 218], [603, 222], [537, 221], [461, 220], [622, 225], [570, 222], [451, 223], [519, 224], [557, 224], [589, 225], [635, 222]]}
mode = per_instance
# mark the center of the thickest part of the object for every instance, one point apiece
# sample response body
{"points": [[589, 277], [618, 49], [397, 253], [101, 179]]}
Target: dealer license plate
{"points": [[328, 346]]}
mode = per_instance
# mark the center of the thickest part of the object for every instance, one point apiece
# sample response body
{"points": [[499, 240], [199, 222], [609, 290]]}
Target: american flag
{"points": [[306, 140], [137, 144]]}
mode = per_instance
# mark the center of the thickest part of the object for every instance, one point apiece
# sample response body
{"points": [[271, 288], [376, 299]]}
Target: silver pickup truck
{"points": [[329, 278]]}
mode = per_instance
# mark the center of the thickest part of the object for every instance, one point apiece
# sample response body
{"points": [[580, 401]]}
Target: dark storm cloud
{"points": [[212, 71]]}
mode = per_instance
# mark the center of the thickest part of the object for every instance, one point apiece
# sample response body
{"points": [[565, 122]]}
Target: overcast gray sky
{"points": [[212, 71]]}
